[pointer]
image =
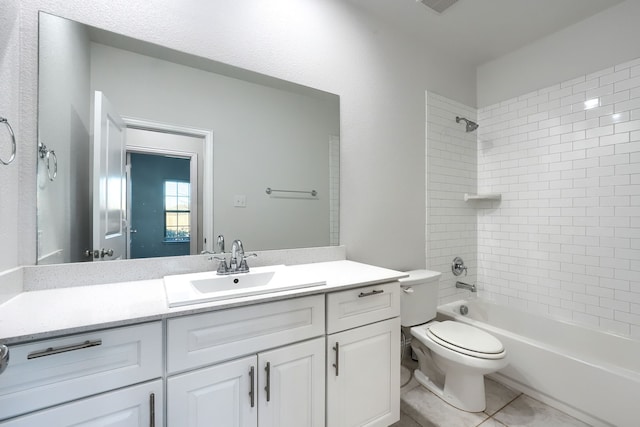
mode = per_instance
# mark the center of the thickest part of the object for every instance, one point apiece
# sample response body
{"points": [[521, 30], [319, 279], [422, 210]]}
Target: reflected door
{"points": [[109, 182]]}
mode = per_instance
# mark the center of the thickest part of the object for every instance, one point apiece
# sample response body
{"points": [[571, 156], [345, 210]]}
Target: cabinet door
{"points": [[222, 395], [363, 376], [292, 385], [135, 406]]}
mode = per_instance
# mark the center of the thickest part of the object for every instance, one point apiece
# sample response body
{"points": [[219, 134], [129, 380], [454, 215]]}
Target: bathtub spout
{"points": [[467, 286]]}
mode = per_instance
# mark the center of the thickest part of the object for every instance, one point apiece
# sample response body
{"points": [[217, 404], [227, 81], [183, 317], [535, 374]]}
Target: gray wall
{"points": [[10, 109], [379, 75], [610, 37]]}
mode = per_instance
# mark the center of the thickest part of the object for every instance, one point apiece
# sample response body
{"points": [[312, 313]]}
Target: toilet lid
{"points": [[465, 339]]}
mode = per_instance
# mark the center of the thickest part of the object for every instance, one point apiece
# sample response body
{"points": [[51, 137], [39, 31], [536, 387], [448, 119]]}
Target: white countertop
{"points": [[51, 312]]}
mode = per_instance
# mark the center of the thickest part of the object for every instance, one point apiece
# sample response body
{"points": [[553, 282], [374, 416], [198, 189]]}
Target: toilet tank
{"points": [[419, 297]]}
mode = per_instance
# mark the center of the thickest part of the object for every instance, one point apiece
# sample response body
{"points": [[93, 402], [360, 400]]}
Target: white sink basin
{"points": [[187, 289], [211, 283]]}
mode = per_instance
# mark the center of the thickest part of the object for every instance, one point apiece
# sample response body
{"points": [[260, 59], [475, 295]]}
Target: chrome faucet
{"points": [[221, 243], [467, 286], [237, 256], [238, 262]]}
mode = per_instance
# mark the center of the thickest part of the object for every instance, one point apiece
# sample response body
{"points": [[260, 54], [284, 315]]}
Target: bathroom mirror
{"points": [[157, 152]]}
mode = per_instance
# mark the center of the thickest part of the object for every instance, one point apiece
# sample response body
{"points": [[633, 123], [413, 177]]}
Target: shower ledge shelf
{"points": [[482, 196]]}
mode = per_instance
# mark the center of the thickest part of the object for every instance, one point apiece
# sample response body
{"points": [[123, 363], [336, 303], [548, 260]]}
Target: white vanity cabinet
{"points": [[278, 388], [329, 359], [363, 356], [134, 406], [276, 375], [69, 380]]}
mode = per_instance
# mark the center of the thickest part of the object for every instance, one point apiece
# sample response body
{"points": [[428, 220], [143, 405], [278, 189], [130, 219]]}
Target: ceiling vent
{"points": [[438, 6]]}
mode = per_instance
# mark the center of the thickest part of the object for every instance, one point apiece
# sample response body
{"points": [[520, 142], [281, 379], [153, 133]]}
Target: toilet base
{"points": [[465, 395]]}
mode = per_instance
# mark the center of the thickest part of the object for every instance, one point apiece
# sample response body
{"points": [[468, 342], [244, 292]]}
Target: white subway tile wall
{"points": [[565, 238], [451, 162]]}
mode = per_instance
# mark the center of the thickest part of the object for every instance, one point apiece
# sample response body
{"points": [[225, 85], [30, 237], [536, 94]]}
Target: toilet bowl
{"points": [[453, 357], [463, 354]]}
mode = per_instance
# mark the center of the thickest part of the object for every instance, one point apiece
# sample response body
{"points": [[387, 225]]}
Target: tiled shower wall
{"points": [[451, 162], [565, 238]]}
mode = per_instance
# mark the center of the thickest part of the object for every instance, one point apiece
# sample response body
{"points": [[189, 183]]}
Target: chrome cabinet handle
{"points": [[57, 350], [268, 386], [152, 410], [337, 364], [4, 358], [251, 388], [368, 294]]}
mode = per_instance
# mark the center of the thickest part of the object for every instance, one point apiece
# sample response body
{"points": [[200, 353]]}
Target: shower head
{"points": [[471, 126]]}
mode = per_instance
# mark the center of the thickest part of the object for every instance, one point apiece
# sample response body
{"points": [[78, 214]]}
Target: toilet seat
{"points": [[465, 339]]}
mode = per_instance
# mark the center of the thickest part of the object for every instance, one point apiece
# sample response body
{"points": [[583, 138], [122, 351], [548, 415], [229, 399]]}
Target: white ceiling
{"points": [[478, 31]]}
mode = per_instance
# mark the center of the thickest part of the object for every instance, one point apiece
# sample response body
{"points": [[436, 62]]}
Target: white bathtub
{"points": [[592, 375]]}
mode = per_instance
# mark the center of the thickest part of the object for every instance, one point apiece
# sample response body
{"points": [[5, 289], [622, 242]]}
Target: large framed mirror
{"points": [[146, 151]]}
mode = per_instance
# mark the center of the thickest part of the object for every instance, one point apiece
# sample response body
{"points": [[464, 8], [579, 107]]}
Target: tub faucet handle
{"points": [[457, 266]]}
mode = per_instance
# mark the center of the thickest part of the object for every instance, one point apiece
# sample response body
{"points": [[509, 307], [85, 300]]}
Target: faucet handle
{"points": [[244, 267], [222, 265], [457, 266]]}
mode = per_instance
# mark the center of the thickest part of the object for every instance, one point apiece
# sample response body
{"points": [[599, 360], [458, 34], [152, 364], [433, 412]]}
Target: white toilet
{"points": [[453, 357]]}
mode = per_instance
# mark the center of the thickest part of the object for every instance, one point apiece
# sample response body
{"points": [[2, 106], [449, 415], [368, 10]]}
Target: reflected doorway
{"points": [[166, 169], [160, 206]]}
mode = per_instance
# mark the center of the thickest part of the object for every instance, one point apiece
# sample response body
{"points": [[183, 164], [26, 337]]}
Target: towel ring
{"points": [[13, 142], [47, 154], [50, 154]]}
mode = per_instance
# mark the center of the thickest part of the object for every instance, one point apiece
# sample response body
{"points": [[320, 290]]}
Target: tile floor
{"points": [[505, 407]]}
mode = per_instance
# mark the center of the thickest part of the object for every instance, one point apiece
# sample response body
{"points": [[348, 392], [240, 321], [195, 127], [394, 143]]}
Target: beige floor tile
{"points": [[497, 395], [406, 421], [525, 411], [429, 410]]}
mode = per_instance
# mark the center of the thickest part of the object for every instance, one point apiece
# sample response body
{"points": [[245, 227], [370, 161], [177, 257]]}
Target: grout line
{"points": [[498, 411], [491, 418], [504, 406]]}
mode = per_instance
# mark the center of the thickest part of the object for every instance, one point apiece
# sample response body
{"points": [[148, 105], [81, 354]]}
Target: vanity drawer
{"points": [[208, 338], [48, 372], [137, 405], [360, 306]]}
